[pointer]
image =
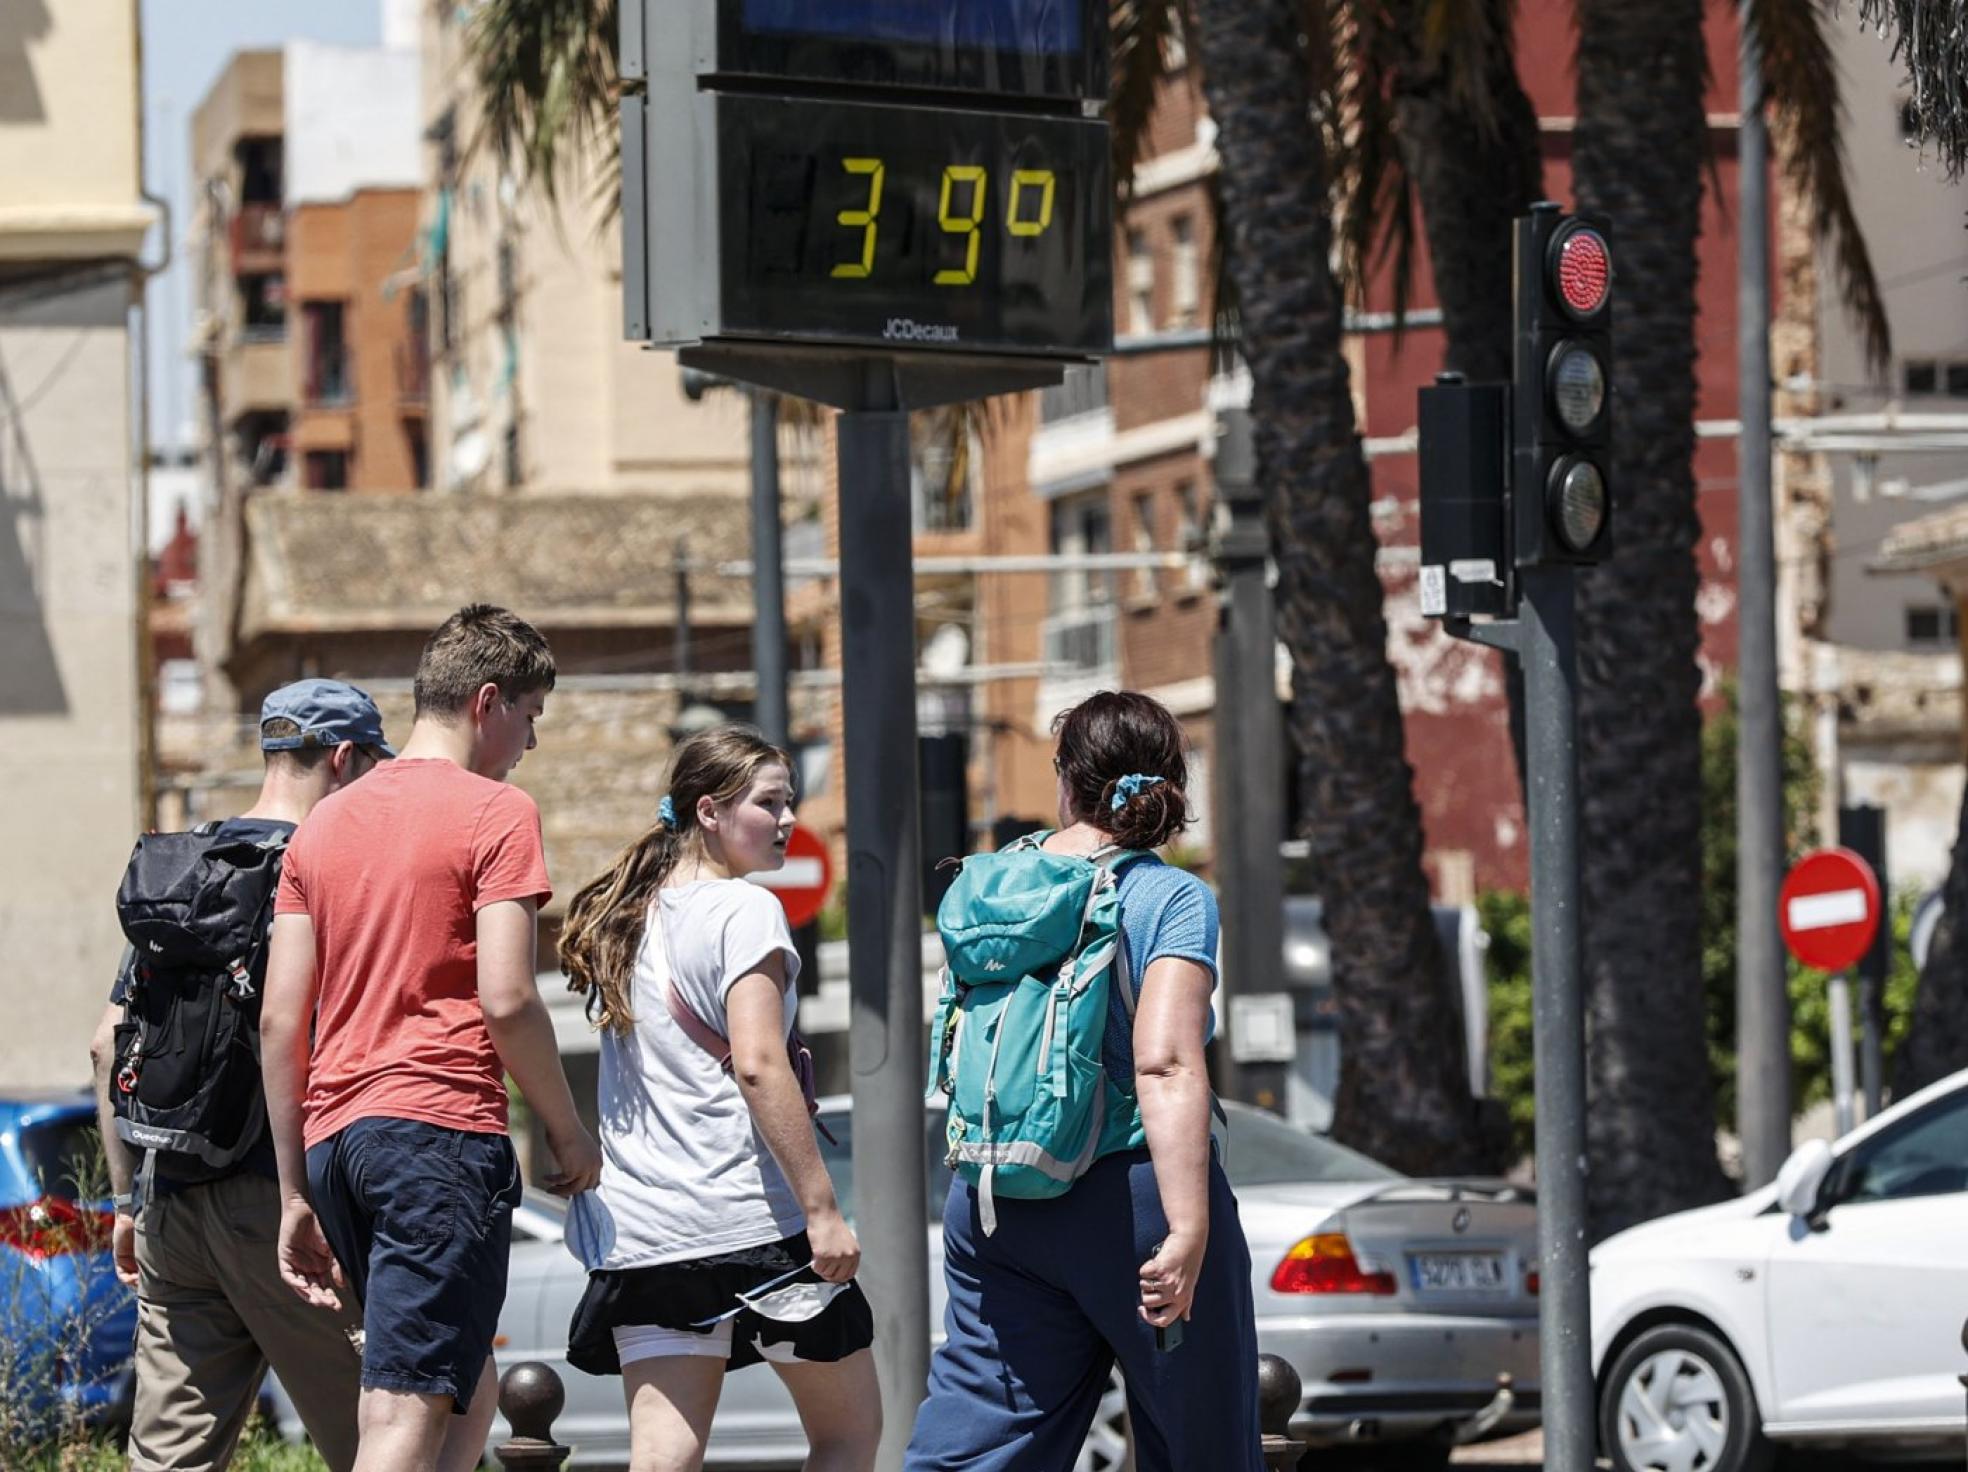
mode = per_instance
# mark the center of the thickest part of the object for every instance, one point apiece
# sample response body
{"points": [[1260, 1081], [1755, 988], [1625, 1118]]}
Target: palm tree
{"points": [[1398, 1096]]}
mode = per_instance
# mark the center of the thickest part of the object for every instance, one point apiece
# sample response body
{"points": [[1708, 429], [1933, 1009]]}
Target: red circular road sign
{"points": [[803, 882], [1828, 908]]}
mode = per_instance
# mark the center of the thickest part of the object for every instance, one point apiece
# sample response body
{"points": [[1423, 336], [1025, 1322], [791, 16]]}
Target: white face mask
{"points": [[793, 1304], [781, 1301]]}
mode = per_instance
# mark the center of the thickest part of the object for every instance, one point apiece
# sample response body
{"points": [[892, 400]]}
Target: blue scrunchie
{"points": [[666, 812], [1132, 785]]}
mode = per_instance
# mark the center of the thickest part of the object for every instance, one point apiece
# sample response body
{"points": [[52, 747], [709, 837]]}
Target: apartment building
{"points": [[1878, 657], [72, 224]]}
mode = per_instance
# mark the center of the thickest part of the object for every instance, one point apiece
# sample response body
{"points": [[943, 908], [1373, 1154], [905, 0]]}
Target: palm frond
{"points": [[548, 87], [1930, 38], [1373, 195], [1140, 33], [1457, 40], [1800, 81]]}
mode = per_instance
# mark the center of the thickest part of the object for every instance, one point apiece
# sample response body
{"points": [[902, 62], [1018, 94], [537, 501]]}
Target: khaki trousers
{"points": [[212, 1314]]}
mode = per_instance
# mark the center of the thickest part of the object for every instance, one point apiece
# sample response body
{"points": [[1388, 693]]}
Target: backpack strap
{"points": [[696, 1029]]}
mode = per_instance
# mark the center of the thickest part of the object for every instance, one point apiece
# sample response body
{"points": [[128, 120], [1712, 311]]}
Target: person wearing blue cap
{"points": [[197, 1243]]}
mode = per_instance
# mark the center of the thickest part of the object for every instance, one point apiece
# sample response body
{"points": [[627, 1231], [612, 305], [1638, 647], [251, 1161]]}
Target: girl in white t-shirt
{"points": [[714, 1239]]}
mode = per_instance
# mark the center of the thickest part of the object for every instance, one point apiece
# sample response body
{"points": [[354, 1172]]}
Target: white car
{"points": [[1826, 1308], [1406, 1306]]}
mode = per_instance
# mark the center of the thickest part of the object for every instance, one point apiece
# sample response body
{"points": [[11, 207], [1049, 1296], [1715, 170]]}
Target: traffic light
{"points": [[1562, 400]]}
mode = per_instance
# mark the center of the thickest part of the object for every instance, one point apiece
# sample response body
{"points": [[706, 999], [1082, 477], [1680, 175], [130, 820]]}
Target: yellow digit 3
{"points": [[964, 224], [866, 219]]}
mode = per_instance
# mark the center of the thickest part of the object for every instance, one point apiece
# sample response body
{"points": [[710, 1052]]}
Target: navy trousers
{"points": [[1040, 1312]]}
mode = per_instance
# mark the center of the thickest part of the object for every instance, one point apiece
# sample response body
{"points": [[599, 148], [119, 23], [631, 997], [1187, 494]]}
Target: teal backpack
{"points": [[1032, 942]]}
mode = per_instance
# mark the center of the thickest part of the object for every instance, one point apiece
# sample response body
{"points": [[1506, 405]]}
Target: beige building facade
{"points": [[72, 224]]}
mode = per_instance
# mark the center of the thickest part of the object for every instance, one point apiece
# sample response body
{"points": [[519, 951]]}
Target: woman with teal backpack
{"points": [[1089, 1223]]}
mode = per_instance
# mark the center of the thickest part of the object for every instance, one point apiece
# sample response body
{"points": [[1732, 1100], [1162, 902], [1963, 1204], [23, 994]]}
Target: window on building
{"points": [[328, 379], [325, 470], [259, 170], [1931, 626], [1947, 376], [263, 306], [417, 439], [944, 456], [1140, 283], [1185, 271], [1082, 391], [1079, 628], [1141, 581], [1191, 536]]}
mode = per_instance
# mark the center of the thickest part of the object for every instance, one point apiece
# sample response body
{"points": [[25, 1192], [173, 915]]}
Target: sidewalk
{"points": [[1514, 1451]]}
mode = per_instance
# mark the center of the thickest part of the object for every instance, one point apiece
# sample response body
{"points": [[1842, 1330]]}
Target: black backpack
{"points": [[196, 909]]}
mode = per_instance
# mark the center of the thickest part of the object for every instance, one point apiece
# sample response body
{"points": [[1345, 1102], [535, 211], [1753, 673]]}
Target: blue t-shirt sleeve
{"points": [[1185, 927]]}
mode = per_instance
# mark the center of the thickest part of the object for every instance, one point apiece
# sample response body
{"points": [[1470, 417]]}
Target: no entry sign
{"points": [[1828, 909], [803, 882]]}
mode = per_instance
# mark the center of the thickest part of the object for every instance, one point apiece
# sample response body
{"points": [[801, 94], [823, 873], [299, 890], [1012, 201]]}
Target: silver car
{"points": [[1400, 1302]]}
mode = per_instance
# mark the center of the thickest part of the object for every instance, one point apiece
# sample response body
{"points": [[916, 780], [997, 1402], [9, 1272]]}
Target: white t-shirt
{"points": [[684, 1172]]}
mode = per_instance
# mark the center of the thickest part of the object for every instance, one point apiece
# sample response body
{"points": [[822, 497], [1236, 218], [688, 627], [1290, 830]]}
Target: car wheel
{"points": [[1108, 1447], [1676, 1400]]}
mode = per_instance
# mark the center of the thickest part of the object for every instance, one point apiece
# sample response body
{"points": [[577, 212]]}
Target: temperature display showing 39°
{"points": [[984, 231]]}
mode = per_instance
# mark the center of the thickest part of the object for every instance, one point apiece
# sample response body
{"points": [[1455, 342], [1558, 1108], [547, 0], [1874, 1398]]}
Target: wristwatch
{"points": [[125, 1203]]}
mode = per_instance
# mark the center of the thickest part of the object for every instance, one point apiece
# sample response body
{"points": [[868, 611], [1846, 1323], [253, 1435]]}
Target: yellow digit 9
{"points": [[866, 219], [1021, 180], [965, 224]]}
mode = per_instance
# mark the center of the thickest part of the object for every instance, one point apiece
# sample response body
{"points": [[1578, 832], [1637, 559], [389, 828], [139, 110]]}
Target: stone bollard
{"points": [[530, 1396], [1278, 1390]]}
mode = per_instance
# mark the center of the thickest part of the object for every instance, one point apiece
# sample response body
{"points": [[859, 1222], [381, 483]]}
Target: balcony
{"points": [[255, 375], [330, 380], [257, 237]]}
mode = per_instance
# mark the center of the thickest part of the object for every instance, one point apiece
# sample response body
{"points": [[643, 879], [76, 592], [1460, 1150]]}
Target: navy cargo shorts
{"points": [[420, 1218]]}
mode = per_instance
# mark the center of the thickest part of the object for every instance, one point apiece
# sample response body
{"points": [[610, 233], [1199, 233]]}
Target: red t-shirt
{"points": [[393, 871]]}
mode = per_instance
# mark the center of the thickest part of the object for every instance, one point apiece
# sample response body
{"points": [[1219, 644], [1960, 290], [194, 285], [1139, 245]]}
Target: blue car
{"points": [[66, 1356]]}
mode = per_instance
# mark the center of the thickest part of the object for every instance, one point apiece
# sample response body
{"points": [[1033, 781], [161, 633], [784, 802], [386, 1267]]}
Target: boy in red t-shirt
{"points": [[404, 934]]}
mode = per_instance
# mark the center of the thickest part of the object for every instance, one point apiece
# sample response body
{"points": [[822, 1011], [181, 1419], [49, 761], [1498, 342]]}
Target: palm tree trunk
{"points": [[1402, 1094], [1937, 1034], [1638, 157]]}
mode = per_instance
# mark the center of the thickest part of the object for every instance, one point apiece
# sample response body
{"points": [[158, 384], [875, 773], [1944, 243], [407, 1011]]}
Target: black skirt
{"points": [[681, 1295]]}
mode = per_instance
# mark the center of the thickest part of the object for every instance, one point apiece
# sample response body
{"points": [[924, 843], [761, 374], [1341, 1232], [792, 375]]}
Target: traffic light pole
{"points": [[1762, 1003], [1542, 639], [884, 912]]}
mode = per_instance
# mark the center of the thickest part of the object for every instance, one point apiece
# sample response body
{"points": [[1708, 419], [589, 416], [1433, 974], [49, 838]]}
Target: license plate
{"points": [[1457, 1272]]}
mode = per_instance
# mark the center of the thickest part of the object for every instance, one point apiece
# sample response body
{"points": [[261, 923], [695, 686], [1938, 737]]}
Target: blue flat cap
{"points": [[328, 712]]}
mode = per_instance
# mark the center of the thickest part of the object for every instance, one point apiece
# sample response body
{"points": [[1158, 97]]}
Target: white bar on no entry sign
{"points": [[1820, 911], [793, 874]]}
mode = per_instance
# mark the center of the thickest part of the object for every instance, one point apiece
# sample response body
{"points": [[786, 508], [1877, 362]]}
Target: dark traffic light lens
{"points": [[1578, 502], [1577, 385], [1583, 270]]}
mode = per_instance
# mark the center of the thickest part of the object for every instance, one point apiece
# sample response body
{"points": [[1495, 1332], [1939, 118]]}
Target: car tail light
{"points": [[1324, 1263], [54, 1227], [1531, 1282]]}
